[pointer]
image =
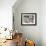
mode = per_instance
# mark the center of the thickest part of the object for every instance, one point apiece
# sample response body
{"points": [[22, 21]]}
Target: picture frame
{"points": [[29, 19]]}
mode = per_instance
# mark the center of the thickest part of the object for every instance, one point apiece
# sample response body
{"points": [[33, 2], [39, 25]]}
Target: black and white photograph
{"points": [[28, 18]]}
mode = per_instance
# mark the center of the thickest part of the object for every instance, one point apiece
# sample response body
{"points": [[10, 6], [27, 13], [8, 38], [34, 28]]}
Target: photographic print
{"points": [[28, 19]]}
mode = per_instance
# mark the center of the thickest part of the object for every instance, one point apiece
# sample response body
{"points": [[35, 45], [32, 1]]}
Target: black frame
{"points": [[29, 24]]}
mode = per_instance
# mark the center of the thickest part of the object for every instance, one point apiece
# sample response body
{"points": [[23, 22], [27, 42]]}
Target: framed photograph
{"points": [[28, 19]]}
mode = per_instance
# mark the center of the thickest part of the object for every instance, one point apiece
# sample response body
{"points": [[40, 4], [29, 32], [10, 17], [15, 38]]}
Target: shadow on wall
{"points": [[18, 3], [27, 6]]}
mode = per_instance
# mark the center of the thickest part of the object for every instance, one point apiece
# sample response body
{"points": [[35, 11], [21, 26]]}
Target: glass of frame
{"points": [[28, 19]]}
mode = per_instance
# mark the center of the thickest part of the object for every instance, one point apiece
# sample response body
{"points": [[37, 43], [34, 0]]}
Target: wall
{"points": [[29, 32], [6, 13], [43, 22]]}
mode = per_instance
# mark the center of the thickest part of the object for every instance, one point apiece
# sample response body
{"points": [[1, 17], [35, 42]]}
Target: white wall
{"points": [[43, 22], [6, 13], [31, 32]]}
